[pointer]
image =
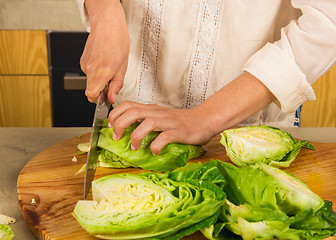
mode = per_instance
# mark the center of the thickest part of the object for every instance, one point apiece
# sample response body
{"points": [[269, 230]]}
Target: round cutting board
{"points": [[48, 187]]}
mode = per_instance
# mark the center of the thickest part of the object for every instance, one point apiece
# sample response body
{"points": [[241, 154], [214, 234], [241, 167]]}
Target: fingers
{"points": [[117, 83], [125, 114], [152, 118], [99, 75], [95, 84], [168, 134], [162, 140], [150, 124]]}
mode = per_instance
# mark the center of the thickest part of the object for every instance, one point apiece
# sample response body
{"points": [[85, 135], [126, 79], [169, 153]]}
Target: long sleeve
{"points": [[83, 14], [306, 50], [164, 54]]}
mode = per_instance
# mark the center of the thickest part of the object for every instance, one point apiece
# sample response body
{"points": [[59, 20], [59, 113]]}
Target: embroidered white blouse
{"points": [[183, 51]]}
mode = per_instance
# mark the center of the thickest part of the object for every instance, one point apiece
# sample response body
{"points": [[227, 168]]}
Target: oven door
{"points": [[70, 107]]}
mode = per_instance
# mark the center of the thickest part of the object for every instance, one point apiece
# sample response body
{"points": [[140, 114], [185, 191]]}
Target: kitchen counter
{"points": [[19, 145]]}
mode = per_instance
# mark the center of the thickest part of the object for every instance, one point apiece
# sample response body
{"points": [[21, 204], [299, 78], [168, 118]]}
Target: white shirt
{"points": [[183, 51]]}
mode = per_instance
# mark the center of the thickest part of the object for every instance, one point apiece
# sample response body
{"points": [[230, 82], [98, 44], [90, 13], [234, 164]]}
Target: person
{"points": [[193, 68]]}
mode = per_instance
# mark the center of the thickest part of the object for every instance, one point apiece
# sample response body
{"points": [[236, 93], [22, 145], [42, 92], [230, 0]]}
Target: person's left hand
{"points": [[189, 126]]}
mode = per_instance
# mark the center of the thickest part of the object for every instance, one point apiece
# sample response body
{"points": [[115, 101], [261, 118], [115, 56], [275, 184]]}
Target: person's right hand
{"points": [[105, 55]]}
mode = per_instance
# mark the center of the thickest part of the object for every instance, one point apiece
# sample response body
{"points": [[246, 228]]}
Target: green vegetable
{"points": [[264, 202], [219, 199], [83, 148], [269, 145], [111, 160], [6, 232], [293, 196], [150, 205], [118, 152]]}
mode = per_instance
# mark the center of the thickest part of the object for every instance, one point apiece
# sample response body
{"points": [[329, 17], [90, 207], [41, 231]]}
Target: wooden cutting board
{"points": [[48, 188]]}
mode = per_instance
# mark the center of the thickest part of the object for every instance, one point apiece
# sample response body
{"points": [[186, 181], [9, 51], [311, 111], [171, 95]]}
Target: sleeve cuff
{"points": [[84, 15], [281, 75]]}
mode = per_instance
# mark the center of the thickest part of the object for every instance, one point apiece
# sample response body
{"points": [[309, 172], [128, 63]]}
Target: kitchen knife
{"points": [[101, 113]]}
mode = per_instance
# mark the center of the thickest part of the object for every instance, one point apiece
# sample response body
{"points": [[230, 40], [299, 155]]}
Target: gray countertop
{"points": [[19, 145]]}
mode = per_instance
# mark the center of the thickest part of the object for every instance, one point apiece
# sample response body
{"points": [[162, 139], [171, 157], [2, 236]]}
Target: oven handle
{"points": [[74, 81]]}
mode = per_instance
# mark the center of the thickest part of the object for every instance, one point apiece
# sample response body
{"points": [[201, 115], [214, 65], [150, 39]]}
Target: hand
{"points": [[105, 55], [232, 104], [189, 126]]}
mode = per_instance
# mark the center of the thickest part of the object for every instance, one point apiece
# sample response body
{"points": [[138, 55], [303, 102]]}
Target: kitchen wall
{"points": [[40, 15]]}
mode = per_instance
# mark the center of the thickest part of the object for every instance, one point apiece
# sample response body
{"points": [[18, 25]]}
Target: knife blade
{"points": [[101, 113]]}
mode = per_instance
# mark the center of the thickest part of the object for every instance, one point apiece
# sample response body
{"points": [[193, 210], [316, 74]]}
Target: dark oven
{"points": [[70, 107]]}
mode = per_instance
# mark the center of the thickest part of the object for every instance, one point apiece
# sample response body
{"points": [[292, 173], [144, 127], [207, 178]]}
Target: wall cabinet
{"points": [[24, 79], [25, 101]]}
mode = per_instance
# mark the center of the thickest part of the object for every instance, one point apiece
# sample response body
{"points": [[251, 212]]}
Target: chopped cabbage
{"points": [[83, 147], [6, 232], [6, 220]]}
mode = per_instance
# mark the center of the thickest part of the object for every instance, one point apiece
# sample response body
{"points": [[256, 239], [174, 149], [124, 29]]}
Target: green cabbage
{"points": [[151, 205], [219, 199], [253, 144], [264, 202], [6, 232], [293, 196], [117, 153]]}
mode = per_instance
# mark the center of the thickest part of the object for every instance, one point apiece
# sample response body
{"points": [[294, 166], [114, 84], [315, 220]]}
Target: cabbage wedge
{"points": [[265, 144], [150, 205], [264, 202]]}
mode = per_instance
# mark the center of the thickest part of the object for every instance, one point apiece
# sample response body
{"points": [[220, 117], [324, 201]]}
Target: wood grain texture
{"points": [[23, 52], [49, 178], [25, 101], [322, 112]]}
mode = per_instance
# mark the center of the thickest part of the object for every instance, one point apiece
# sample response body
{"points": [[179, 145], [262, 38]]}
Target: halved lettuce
{"points": [[293, 196], [264, 202], [172, 156], [151, 205], [266, 144]]}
